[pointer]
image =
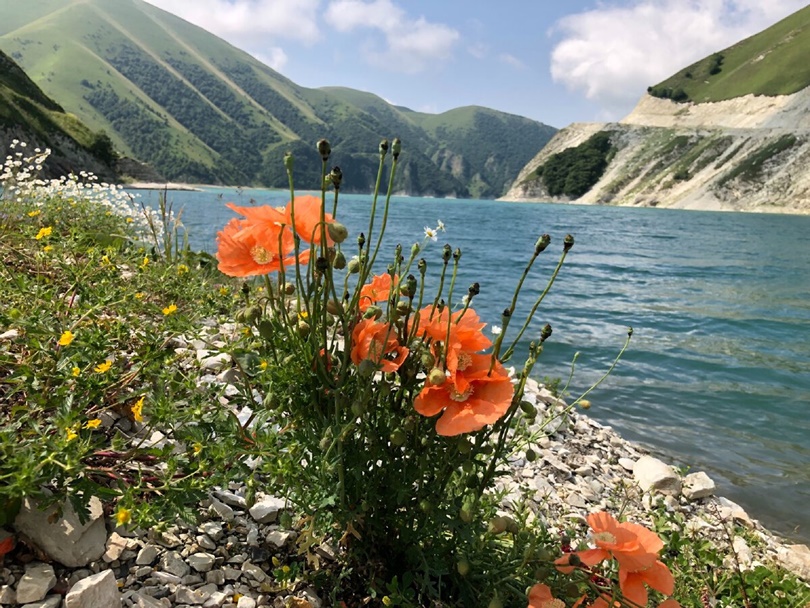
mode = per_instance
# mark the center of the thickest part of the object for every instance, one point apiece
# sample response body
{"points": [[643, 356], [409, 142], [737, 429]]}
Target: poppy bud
{"points": [[629, 332], [336, 177], [396, 147], [498, 525], [289, 289], [568, 242], [415, 249], [354, 265], [408, 288], [422, 266], [271, 402], [437, 377], [337, 231], [428, 360], [545, 333], [324, 149], [424, 505], [333, 308], [585, 404], [464, 446], [531, 455], [474, 290], [321, 264], [289, 161], [463, 567], [374, 312], [359, 408], [361, 240], [383, 147], [457, 255], [410, 423], [403, 308], [495, 602], [303, 329], [574, 560], [466, 513], [528, 409], [541, 244], [398, 437], [447, 251], [339, 263], [245, 288]]}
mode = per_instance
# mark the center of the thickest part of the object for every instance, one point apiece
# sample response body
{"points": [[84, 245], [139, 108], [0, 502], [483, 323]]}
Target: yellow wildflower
{"points": [[71, 434], [303, 315], [103, 367], [43, 232], [105, 260], [137, 410], [386, 600], [93, 424], [223, 291], [123, 516], [263, 365], [66, 338], [47, 248], [182, 269], [285, 569], [139, 295], [197, 448], [34, 213], [130, 220], [75, 371], [145, 262], [170, 309]]}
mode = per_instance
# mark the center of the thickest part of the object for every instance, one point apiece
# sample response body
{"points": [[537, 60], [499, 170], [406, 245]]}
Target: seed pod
{"points": [[337, 231], [354, 265], [568, 242], [398, 437], [339, 263], [324, 149], [437, 377]]}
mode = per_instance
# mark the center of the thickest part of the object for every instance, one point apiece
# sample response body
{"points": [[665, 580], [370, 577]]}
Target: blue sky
{"points": [[557, 61]]}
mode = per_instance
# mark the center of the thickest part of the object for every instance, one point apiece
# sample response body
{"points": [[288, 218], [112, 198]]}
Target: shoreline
{"points": [[163, 186]]}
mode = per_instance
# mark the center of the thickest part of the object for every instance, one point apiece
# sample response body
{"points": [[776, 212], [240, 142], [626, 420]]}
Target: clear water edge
{"points": [[717, 376]]}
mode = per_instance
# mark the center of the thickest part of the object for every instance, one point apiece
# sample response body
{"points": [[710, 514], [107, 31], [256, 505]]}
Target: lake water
{"points": [[717, 375]]}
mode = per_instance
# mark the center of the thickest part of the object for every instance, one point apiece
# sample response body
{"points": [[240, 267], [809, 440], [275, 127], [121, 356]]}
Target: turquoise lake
{"points": [[717, 375]]}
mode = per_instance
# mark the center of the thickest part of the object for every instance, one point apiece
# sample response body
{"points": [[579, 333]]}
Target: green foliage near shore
{"points": [[772, 62], [751, 167], [574, 171]]}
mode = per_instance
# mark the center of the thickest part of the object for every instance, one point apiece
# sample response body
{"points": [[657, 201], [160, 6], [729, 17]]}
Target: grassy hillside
{"points": [[773, 62], [200, 110], [29, 115]]}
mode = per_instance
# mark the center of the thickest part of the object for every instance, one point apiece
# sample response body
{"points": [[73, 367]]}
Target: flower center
{"points": [[260, 255], [464, 361], [605, 537], [461, 397]]}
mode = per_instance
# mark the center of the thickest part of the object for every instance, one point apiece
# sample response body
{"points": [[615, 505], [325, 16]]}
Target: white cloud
{"points": [[249, 23], [613, 53], [478, 50], [275, 57], [511, 60], [410, 45]]}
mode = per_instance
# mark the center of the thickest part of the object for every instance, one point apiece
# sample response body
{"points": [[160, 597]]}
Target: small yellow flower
{"points": [[47, 248], [387, 600], [276, 561], [66, 338], [237, 597], [123, 516], [263, 365], [71, 434], [285, 569], [93, 424], [105, 260], [197, 448], [170, 309], [130, 220], [182, 269], [75, 371], [145, 262], [43, 232], [303, 315], [139, 295], [246, 331], [223, 291], [103, 367], [34, 213], [137, 410]]}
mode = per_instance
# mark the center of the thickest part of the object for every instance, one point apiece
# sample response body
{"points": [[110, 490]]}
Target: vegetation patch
{"points": [[751, 167], [576, 170]]}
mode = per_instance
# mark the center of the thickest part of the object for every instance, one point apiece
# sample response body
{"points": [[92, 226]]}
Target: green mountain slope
{"points": [[27, 114], [772, 62], [200, 110]]}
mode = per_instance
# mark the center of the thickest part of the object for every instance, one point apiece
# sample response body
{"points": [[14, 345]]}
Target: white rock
{"points": [[246, 602], [52, 601], [173, 563], [217, 599], [627, 464], [201, 562], [145, 601], [730, 510], [652, 474], [743, 551], [225, 512], [115, 547], [278, 538], [194, 597], [94, 591], [147, 555], [266, 509], [11, 334], [67, 540], [38, 579], [698, 485], [217, 363], [7, 595], [796, 558]]}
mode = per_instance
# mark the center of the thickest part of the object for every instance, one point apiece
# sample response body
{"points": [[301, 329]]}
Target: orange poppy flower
{"points": [[633, 546], [465, 335], [656, 576], [244, 249], [378, 343], [307, 219], [476, 398], [379, 290], [540, 597]]}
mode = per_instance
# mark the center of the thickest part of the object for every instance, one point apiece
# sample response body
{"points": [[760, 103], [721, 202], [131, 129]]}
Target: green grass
{"points": [[772, 62]]}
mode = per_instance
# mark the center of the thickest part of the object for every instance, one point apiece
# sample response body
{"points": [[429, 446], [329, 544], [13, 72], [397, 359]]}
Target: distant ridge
{"points": [[200, 110]]}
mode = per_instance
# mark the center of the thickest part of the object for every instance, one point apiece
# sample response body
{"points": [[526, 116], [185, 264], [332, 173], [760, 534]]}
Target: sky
{"points": [[556, 61]]}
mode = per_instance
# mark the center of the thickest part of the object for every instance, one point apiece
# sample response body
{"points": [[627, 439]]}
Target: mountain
{"points": [[731, 131], [28, 115], [201, 110]]}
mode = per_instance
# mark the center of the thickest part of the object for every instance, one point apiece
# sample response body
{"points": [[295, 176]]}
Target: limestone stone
{"points": [[652, 474], [66, 540], [201, 562], [796, 558], [173, 563], [116, 544], [698, 485], [52, 601], [97, 590], [147, 555], [38, 579], [266, 509]]}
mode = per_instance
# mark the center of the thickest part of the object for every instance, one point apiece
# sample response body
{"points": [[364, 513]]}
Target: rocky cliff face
{"points": [[749, 153]]}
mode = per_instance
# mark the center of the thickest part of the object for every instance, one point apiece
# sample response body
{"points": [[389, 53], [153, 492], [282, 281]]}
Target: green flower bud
{"points": [[361, 240], [545, 333], [337, 231], [495, 602], [398, 437], [271, 402], [403, 308], [463, 567], [336, 177], [531, 455], [354, 265], [373, 312], [289, 161], [339, 263], [396, 147], [428, 360], [321, 264], [437, 377], [422, 266], [466, 513], [359, 408], [568, 242], [528, 409], [409, 424], [303, 329], [497, 525], [324, 149], [464, 446], [424, 505], [384, 147], [408, 288], [285, 520], [585, 404], [289, 288], [467, 466], [457, 254], [333, 308], [541, 244], [447, 252]]}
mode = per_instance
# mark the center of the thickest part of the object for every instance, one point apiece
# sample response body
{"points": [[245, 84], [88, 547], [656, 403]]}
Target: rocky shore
{"points": [[229, 559]]}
